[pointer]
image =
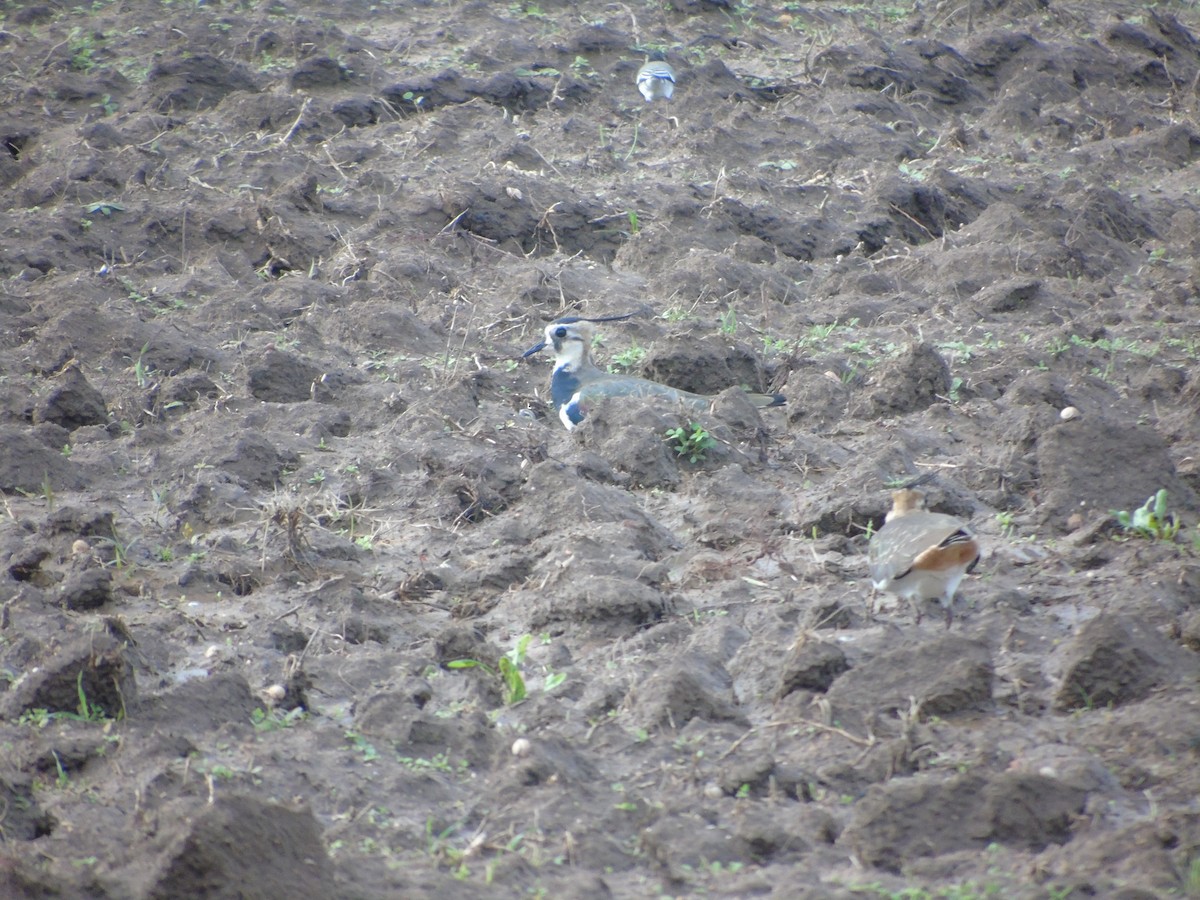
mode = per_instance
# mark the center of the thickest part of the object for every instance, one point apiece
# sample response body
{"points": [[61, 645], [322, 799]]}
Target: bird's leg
{"points": [[915, 603]]}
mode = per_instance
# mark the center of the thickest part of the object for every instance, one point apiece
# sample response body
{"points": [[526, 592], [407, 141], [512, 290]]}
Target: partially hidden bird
{"points": [[921, 555], [656, 79], [577, 383]]}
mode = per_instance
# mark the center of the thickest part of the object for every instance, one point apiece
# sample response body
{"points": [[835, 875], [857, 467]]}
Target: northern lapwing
{"points": [[577, 383], [921, 555], [656, 79]]}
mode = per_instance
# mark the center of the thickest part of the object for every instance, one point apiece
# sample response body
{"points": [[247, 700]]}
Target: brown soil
{"points": [[271, 462]]}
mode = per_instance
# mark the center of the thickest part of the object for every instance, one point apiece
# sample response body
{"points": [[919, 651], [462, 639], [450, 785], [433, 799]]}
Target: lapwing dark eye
{"points": [[560, 332]]}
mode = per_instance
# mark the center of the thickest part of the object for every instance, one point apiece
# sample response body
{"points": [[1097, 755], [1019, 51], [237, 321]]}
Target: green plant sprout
{"points": [[1150, 520], [88, 711], [728, 322], [693, 444], [628, 359], [508, 670], [362, 745], [275, 719]]}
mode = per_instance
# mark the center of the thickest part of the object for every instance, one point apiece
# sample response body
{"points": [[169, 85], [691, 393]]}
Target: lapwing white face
{"points": [[570, 343]]}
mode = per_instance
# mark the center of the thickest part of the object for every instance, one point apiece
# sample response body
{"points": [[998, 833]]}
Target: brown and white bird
{"points": [[921, 555]]}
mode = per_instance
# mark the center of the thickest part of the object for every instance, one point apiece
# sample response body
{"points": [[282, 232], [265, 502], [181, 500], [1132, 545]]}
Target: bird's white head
{"points": [[572, 343]]}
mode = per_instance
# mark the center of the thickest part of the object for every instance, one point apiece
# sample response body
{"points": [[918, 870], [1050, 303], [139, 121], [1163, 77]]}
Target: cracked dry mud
{"points": [[271, 464]]}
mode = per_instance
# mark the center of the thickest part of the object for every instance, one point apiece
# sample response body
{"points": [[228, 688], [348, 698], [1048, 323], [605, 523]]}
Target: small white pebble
{"points": [[81, 548], [521, 747], [212, 651], [1069, 413], [713, 791]]}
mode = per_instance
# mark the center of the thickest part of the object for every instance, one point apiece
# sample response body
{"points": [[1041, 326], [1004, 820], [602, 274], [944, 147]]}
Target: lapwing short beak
{"points": [[540, 345]]}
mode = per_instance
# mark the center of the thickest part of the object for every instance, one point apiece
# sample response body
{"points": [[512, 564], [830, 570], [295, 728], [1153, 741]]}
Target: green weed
{"points": [[363, 746], [1007, 525], [508, 670], [1150, 520], [120, 549], [440, 848], [728, 322], [62, 779], [142, 371], [35, 718], [82, 45], [956, 385], [86, 711], [48, 491], [1191, 878], [773, 346], [628, 359], [440, 762], [675, 314], [693, 444], [276, 719]]}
